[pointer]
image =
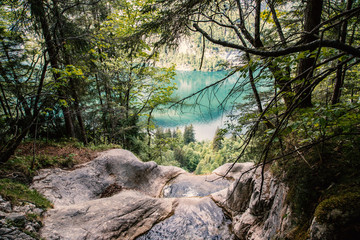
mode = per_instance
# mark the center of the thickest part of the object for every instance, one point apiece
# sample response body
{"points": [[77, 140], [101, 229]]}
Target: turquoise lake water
{"points": [[206, 111]]}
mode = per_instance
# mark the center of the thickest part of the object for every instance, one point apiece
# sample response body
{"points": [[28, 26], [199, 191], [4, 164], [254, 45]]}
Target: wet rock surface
{"points": [[194, 218], [116, 196]]}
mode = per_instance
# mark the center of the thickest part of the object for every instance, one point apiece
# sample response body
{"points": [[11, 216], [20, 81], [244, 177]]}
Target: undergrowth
{"points": [[16, 192]]}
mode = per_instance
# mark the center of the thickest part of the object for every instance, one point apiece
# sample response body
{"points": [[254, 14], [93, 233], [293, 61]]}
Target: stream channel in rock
{"points": [[116, 196]]}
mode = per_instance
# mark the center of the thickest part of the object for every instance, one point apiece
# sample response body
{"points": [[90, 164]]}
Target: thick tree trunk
{"points": [[312, 17], [9, 149]]}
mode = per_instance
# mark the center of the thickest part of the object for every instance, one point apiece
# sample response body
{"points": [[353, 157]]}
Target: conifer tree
{"points": [[189, 135]]}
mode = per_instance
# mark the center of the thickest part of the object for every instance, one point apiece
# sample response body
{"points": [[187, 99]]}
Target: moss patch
{"points": [[17, 192], [340, 209]]}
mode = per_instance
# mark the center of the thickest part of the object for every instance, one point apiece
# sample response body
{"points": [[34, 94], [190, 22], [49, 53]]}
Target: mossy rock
{"points": [[339, 209], [341, 212]]}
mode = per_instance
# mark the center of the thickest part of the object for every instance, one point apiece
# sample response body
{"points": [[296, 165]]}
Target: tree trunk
{"points": [[9, 149], [312, 17], [37, 8], [340, 72], [80, 119]]}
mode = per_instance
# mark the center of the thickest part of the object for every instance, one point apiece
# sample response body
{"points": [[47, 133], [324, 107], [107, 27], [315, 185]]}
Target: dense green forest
{"points": [[95, 71]]}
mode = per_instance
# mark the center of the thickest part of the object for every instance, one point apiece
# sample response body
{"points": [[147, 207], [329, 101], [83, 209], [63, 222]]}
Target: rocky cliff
{"points": [[116, 196]]}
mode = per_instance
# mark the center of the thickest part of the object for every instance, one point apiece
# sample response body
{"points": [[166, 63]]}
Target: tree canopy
{"points": [[65, 72]]}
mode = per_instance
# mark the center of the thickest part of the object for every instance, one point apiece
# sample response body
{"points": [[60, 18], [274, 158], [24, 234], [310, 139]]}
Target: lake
{"points": [[205, 111]]}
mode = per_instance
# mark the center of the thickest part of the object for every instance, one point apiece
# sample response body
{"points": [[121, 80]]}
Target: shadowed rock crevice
{"points": [[111, 190]]}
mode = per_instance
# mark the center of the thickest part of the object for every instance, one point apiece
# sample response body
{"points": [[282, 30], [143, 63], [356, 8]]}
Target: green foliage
{"points": [[329, 136], [321, 122], [197, 157], [26, 166], [16, 192]]}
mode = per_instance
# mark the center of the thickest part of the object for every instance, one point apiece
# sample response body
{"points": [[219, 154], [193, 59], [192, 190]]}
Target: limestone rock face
{"points": [[80, 212], [116, 196], [90, 180], [189, 185], [319, 231], [122, 216], [254, 217], [14, 223]]}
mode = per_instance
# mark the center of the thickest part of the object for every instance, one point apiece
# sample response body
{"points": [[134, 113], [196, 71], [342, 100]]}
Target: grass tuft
{"points": [[16, 193]]}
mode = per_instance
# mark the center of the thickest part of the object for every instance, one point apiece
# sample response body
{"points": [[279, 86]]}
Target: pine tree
{"points": [[218, 138], [189, 135]]}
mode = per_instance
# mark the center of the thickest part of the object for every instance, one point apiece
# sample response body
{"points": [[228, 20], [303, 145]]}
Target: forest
{"points": [[92, 72]]}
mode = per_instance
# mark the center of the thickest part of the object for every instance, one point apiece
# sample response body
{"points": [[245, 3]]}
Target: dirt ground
{"points": [[79, 155]]}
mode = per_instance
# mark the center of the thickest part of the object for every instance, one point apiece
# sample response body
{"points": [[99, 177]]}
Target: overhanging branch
{"points": [[284, 51]]}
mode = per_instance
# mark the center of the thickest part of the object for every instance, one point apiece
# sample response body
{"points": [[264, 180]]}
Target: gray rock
{"points": [[255, 216], [194, 218], [233, 170], [12, 233], [26, 207], [125, 215], [320, 231], [5, 206], [2, 215], [4, 230], [17, 218], [16, 235], [90, 180], [37, 211], [191, 207]]}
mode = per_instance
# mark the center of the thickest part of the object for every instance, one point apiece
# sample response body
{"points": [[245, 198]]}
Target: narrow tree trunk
{"points": [[37, 8], [340, 72], [277, 23], [80, 119], [257, 39], [9, 149], [148, 127], [6, 104], [255, 92]]}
